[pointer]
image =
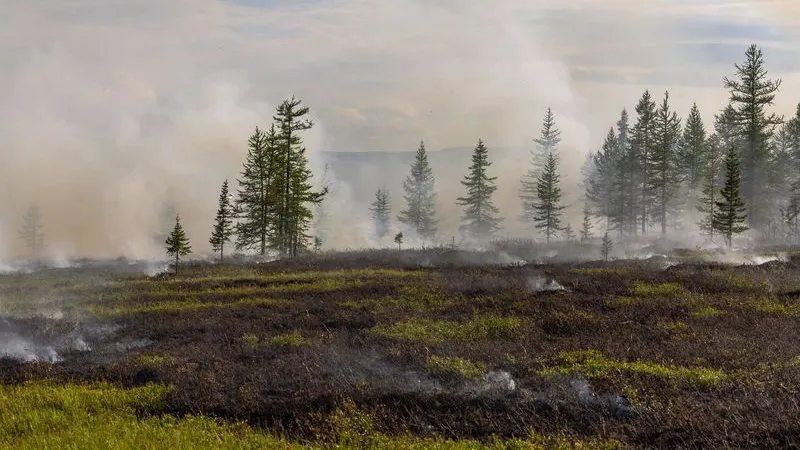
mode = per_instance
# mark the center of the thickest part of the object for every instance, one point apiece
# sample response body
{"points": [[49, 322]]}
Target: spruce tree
{"points": [[606, 247], [259, 194], [294, 214], [223, 223], [627, 176], [712, 183], [730, 218], [569, 233], [381, 209], [480, 215], [420, 197], [31, 229], [178, 243], [642, 148], [750, 93], [693, 152], [663, 177], [586, 225], [546, 143], [605, 191], [548, 209]]}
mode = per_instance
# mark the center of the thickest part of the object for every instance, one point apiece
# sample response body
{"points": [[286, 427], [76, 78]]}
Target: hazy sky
{"points": [[106, 104]]}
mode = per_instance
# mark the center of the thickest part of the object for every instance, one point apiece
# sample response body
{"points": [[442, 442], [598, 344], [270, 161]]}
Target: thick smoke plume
{"points": [[112, 110]]}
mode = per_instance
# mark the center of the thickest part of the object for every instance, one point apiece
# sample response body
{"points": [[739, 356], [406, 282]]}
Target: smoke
{"points": [[112, 109]]}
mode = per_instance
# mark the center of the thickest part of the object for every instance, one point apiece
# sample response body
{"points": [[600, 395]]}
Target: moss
{"points": [[619, 270], [189, 304], [250, 340], [463, 367], [437, 331], [154, 360], [291, 340], [593, 363], [707, 312]]}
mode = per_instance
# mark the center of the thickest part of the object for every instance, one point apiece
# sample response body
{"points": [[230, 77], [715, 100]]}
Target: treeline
{"points": [[654, 174], [661, 172]]}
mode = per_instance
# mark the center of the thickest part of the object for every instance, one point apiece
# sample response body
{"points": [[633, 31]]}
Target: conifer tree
{"points": [[605, 191], [259, 193], [693, 151], [480, 215], [178, 243], [663, 178], [730, 218], [420, 196], [642, 148], [31, 229], [712, 183], [548, 207], [750, 93], [381, 209], [586, 225], [294, 214], [626, 179], [223, 223], [546, 143], [398, 239], [569, 233], [606, 247]]}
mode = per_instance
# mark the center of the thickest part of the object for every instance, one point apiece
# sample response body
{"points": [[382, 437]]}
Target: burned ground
{"points": [[647, 353]]}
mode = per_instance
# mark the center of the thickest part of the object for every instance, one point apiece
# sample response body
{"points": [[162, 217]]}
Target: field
{"points": [[415, 349]]}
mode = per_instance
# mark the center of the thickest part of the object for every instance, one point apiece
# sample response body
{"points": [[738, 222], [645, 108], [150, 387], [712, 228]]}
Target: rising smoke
{"points": [[112, 109]]}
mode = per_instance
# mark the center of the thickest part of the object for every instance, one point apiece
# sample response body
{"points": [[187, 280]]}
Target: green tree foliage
{"points": [[730, 218], [258, 195], [398, 239], [642, 145], [693, 152], [546, 144], [750, 93], [480, 219], [420, 197], [223, 222], [663, 178], [178, 243], [381, 209], [294, 214], [626, 186], [548, 209], [713, 178], [31, 230]]}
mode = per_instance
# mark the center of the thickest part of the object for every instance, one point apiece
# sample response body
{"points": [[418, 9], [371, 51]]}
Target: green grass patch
{"points": [[251, 340], [641, 289], [154, 360], [436, 331], [460, 366], [707, 312], [592, 363], [291, 340], [765, 304], [189, 304], [622, 301], [408, 298]]}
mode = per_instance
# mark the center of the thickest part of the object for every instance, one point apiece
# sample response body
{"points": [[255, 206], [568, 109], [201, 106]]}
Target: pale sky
{"points": [[101, 101]]}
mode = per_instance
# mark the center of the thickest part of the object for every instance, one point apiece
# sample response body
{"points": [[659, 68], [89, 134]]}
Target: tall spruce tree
{"points": [[548, 209], [693, 152], [731, 215], [480, 219], [603, 192], [642, 145], [627, 177], [420, 212], [223, 223], [259, 195], [663, 178], [294, 214], [586, 225], [750, 93], [547, 143], [178, 243], [380, 210], [712, 183], [31, 229]]}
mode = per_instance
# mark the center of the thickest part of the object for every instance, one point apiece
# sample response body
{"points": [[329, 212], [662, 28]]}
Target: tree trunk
{"points": [[176, 262]]}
